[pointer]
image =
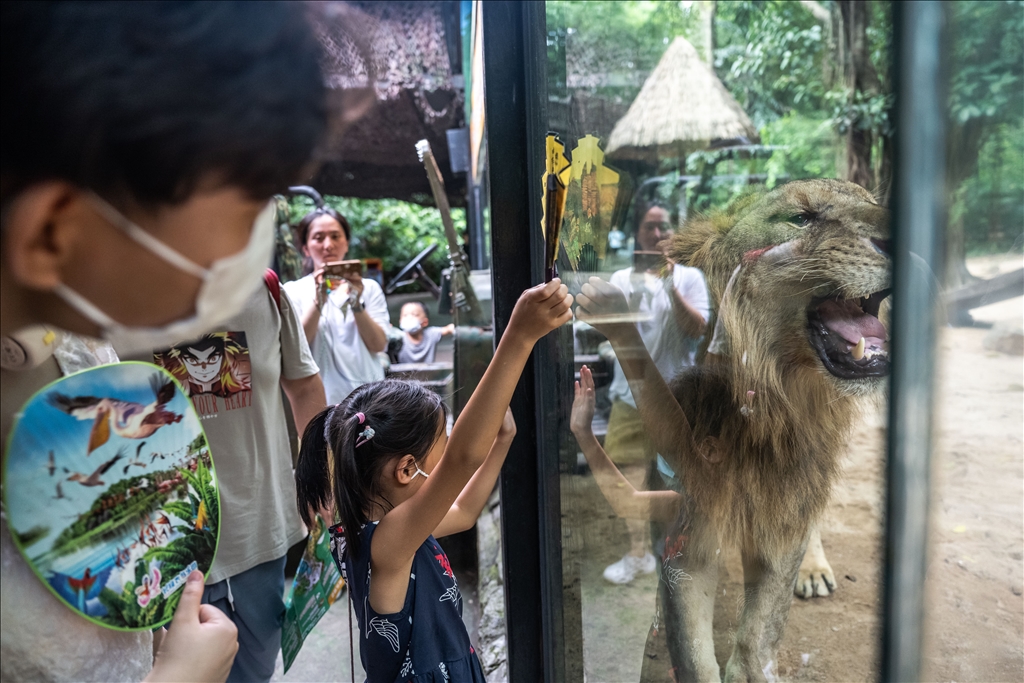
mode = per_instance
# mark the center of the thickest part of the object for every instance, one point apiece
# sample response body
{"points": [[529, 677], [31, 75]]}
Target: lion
{"points": [[799, 276]]}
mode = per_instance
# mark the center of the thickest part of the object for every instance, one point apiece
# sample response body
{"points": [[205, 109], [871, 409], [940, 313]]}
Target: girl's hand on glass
{"points": [[540, 310], [583, 403]]}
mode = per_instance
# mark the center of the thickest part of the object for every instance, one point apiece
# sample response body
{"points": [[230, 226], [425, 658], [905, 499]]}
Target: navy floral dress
{"points": [[427, 640]]}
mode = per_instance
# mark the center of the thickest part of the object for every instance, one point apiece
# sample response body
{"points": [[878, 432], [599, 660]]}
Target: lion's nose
{"points": [[881, 246]]}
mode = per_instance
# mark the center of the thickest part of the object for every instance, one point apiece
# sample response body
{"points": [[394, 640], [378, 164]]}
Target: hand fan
{"points": [[110, 493]]}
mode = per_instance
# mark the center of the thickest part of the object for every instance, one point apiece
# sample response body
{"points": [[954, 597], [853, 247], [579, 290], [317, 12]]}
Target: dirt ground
{"points": [[975, 611]]}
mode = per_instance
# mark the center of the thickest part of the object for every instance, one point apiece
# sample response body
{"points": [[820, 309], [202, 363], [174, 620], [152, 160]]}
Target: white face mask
{"points": [[227, 284], [410, 325], [419, 471]]}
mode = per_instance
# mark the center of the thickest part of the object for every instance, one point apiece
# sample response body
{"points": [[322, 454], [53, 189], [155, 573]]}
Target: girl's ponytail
{"points": [[352, 494], [313, 470]]}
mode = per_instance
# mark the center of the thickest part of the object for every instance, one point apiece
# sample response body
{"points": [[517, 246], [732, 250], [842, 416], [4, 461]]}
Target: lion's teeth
{"points": [[858, 351]]}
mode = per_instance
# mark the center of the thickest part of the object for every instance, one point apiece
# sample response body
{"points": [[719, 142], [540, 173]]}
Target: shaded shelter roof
{"points": [[682, 107], [409, 53]]}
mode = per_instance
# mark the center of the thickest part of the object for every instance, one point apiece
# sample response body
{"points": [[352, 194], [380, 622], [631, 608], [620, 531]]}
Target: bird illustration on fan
{"points": [[127, 419]]}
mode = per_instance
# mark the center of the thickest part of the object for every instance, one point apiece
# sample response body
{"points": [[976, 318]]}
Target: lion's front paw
{"points": [[815, 577], [817, 580]]}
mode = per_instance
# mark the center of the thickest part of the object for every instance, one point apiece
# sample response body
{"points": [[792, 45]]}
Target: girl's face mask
{"points": [[419, 471], [227, 285]]}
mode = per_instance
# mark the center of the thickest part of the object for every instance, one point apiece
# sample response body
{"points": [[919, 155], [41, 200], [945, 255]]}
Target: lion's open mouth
{"points": [[848, 336]]}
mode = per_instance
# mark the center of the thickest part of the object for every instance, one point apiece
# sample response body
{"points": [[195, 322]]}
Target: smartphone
{"points": [[648, 260], [342, 270]]}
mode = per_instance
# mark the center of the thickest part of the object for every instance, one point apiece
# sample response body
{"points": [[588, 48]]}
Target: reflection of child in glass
{"points": [[419, 342], [705, 417], [625, 500]]}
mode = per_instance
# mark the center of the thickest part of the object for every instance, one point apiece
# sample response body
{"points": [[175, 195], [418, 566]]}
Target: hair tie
{"points": [[365, 436], [367, 433]]}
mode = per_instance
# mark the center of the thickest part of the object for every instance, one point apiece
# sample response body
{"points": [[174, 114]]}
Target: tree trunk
{"points": [[963, 143], [860, 77], [707, 16]]}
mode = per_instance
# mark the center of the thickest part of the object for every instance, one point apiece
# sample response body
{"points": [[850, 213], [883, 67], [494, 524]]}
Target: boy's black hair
{"points": [[423, 306], [146, 100], [406, 418]]}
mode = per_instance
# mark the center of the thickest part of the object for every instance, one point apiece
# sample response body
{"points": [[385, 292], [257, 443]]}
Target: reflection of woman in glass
{"points": [[671, 303], [210, 365]]}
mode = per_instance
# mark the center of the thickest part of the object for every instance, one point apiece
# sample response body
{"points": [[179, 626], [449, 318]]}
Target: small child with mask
{"points": [[419, 341]]}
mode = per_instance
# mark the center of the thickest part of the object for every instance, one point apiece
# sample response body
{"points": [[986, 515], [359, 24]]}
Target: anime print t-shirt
{"points": [[216, 371], [233, 376]]}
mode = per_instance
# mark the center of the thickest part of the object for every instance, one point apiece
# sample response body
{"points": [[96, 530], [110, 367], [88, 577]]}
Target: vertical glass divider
{"points": [[919, 216], [516, 113]]}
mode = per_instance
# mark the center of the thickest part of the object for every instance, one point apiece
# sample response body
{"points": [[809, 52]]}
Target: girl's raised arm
{"points": [[539, 310]]}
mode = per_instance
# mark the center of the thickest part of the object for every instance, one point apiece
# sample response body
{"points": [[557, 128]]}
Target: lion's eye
{"points": [[800, 219]]}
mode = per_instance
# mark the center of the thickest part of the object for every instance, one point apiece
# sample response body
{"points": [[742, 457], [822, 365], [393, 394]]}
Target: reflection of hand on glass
{"points": [[625, 500], [603, 306]]}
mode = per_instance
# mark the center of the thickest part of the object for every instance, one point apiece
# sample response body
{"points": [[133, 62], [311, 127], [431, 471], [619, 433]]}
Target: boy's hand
{"points": [[507, 432], [541, 309], [201, 643], [603, 305], [583, 404]]}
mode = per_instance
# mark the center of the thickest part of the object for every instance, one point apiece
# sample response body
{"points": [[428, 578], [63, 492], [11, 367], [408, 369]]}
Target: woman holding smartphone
{"points": [[345, 317]]}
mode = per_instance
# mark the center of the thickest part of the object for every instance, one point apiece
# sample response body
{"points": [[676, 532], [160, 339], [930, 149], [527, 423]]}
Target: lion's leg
{"points": [[689, 580], [768, 584], [816, 577]]}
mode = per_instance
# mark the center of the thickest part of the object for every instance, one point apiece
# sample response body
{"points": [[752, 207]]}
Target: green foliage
{"points": [[991, 201], [198, 444], [194, 545], [630, 37], [986, 113], [782, 65], [987, 61], [32, 535], [810, 148], [391, 230], [771, 55], [98, 523]]}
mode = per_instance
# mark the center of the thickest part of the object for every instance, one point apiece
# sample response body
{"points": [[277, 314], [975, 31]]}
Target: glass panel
{"points": [[974, 608], [732, 360]]}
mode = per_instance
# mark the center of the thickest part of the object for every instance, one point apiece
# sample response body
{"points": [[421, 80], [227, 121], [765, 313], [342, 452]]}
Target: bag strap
{"points": [[273, 285]]}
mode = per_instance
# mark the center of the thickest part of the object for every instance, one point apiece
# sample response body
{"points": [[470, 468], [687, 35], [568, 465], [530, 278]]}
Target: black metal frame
{"points": [[919, 220], [514, 68], [537, 623]]}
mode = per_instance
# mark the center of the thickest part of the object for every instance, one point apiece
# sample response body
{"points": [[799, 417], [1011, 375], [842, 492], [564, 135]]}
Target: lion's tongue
{"points": [[846, 319]]}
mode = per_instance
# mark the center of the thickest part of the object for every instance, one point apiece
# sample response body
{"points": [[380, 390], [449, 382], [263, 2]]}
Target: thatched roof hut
{"points": [[410, 54], [682, 107]]}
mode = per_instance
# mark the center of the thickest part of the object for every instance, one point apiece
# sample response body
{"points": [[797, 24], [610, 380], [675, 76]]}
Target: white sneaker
{"points": [[626, 569]]}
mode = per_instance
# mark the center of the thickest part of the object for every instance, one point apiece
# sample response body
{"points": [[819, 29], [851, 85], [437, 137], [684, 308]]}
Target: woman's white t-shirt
{"points": [[344, 361], [670, 349]]}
